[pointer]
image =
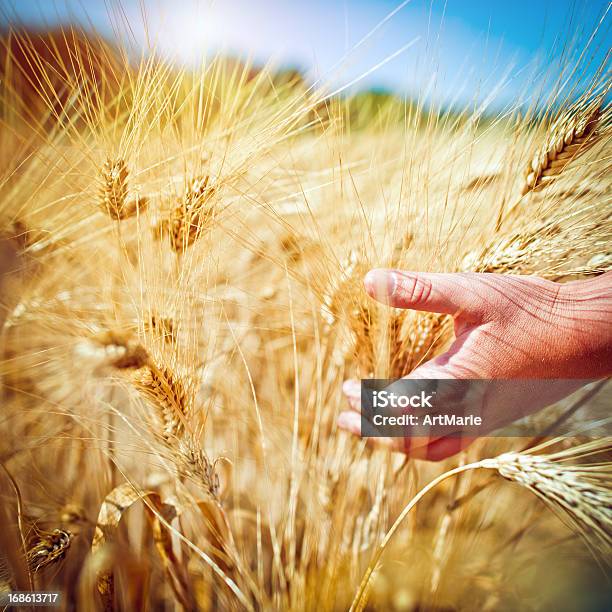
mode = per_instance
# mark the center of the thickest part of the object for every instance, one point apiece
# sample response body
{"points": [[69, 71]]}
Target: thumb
{"points": [[451, 294]]}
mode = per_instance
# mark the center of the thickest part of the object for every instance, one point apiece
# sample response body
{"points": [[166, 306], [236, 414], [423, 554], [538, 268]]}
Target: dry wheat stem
{"points": [[358, 601], [20, 524]]}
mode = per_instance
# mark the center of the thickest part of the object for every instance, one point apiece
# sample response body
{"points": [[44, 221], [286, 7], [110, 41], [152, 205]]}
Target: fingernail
{"points": [[351, 387], [381, 284]]}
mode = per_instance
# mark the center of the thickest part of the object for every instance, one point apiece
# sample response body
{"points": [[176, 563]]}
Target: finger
{"points": [[415, 446], [351, 386], [446, 447], [351, 422], [352, 390], [451, 294]]}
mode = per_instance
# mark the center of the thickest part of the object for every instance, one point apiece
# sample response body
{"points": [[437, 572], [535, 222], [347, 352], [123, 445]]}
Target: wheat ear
{"points": [[122, 350], [568, 138], [415, 337], [194, 463], [48, 547], [168, 394], [114, 191], [539, 250], [192, 215], [580, 491]]}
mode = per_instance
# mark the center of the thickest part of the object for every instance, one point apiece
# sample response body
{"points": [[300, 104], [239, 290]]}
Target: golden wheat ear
{"points": [[581, 493], [571, 481], [570, 136], [114, 191], [122, 350], [168, 394], [192, 215], [48, 547]]}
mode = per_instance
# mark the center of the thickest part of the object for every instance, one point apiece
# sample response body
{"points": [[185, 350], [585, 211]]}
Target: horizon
{"points": [[453, 53]]}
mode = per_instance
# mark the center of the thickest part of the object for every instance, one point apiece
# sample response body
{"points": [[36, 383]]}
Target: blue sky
{"points": [[461, 49]]}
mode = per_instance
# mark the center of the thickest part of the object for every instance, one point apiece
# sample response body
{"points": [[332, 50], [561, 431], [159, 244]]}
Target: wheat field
{"points": [[183, 253]]}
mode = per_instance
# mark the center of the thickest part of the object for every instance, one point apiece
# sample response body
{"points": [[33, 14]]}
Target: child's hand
{"points": [[506, 327]]}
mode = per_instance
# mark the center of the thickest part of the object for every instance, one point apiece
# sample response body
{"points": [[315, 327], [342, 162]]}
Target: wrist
{"points": [[585, 326]]}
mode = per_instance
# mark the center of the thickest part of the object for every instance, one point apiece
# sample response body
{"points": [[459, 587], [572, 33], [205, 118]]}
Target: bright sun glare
{"points": [[189, 31]]}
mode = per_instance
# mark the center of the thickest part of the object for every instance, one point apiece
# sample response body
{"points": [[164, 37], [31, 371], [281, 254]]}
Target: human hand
{"points": [[506, 327]]}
